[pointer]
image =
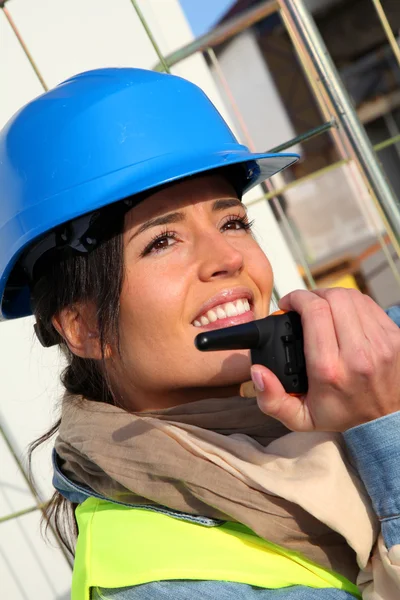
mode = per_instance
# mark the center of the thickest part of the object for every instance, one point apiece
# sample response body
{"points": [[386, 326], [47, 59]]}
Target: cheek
{"points": [[155, 332], [152, 300], [260, 269]]}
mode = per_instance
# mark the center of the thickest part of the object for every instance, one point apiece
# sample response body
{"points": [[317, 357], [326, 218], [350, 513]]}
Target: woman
{"points": [[122, 230]]}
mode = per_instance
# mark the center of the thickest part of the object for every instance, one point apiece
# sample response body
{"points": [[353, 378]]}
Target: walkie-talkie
{"points": [[275, 342]]}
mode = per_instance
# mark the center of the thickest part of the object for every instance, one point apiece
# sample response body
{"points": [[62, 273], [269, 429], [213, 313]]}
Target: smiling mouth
{"points": [[228, 313]]}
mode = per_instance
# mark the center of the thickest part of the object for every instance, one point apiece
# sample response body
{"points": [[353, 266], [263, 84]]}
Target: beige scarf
{"points": [[224, 458]]}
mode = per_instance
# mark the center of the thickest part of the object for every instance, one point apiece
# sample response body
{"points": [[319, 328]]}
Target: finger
{"points": [[273, 400], [285, 303], [349, 330], [383, 334], [364, 331], [379, 315], [321, 348]]}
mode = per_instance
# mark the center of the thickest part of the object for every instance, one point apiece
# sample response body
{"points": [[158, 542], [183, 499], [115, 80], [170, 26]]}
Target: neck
{"points": [[149, 401]]}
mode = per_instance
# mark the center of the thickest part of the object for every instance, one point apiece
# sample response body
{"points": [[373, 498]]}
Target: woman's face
{"points": [[190, 265]]}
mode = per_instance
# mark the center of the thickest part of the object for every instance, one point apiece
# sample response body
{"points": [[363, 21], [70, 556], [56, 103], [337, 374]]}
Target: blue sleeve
{"points": [[394, 313], [375, 450], [210, 590]]}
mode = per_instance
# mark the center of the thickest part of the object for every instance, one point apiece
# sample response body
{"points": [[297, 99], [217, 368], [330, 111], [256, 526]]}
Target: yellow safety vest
{"points": [[120, 546]]}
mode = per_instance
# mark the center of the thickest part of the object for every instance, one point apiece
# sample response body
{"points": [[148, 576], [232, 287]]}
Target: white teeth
{"points": [[221, 314], [240, 307], [230, 310], [212, 316]]}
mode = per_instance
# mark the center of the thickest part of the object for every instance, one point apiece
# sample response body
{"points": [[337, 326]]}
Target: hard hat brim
{"points": [[115, 186]]}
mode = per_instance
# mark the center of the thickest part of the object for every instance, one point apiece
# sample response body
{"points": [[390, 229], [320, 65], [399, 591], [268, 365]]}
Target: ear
{"points": [[77, 324]]}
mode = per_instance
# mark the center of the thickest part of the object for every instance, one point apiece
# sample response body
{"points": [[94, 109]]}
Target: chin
{"points": [[233, 369]]}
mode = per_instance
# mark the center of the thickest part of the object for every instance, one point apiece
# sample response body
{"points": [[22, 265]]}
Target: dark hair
{"points": [[96, 276], [68, 279]]}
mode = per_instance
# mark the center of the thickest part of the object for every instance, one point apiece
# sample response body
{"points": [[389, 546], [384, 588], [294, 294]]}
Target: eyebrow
{"points": [[178, 217]]}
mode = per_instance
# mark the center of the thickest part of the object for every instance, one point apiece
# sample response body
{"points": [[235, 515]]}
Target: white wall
{"points": [[255, 93], [65, 38]]}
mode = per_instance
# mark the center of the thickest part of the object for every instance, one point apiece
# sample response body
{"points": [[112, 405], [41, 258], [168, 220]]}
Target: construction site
{"points": [[320, 78]]}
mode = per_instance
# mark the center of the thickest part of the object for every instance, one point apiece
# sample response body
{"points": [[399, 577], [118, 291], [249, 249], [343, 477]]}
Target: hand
{"points": [[352, 351]]}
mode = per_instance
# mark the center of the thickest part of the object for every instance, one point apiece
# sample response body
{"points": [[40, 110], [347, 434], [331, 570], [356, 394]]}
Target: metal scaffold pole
{"points": [[150, 35], [298, 19], [42, 506], [23, 45], [296, 245], [388, 30]]}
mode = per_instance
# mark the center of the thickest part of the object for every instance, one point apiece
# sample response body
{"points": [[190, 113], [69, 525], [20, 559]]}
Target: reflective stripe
{"points": [[119, 547]]}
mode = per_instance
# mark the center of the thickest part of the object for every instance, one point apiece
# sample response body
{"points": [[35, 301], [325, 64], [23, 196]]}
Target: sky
{"points": [[203, 14]]}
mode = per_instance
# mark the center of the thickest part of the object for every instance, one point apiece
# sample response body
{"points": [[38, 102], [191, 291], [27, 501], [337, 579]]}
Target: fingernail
{"points": [[257, 379]]}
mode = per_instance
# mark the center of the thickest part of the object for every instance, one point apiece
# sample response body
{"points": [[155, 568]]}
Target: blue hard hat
{"points": [[101, 137]]}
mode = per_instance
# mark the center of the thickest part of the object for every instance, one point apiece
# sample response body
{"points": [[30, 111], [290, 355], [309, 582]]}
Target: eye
{"points": [[237, 222], [160, 242]]}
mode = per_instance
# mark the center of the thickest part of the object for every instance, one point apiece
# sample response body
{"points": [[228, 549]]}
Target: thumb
{"points": [[274, 401]]}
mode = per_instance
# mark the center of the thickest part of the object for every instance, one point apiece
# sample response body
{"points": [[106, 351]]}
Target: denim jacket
{"points": [[375, 451]]}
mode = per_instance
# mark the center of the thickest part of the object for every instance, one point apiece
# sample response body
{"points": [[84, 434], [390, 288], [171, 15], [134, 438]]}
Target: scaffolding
{"points": [[340, 122]]}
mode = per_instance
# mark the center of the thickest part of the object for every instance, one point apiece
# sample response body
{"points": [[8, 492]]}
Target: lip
{"points": [[227, 295], [228, 322]]}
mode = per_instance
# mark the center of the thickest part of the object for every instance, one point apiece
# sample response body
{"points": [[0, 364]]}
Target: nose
{"points": [[218, 257]]}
